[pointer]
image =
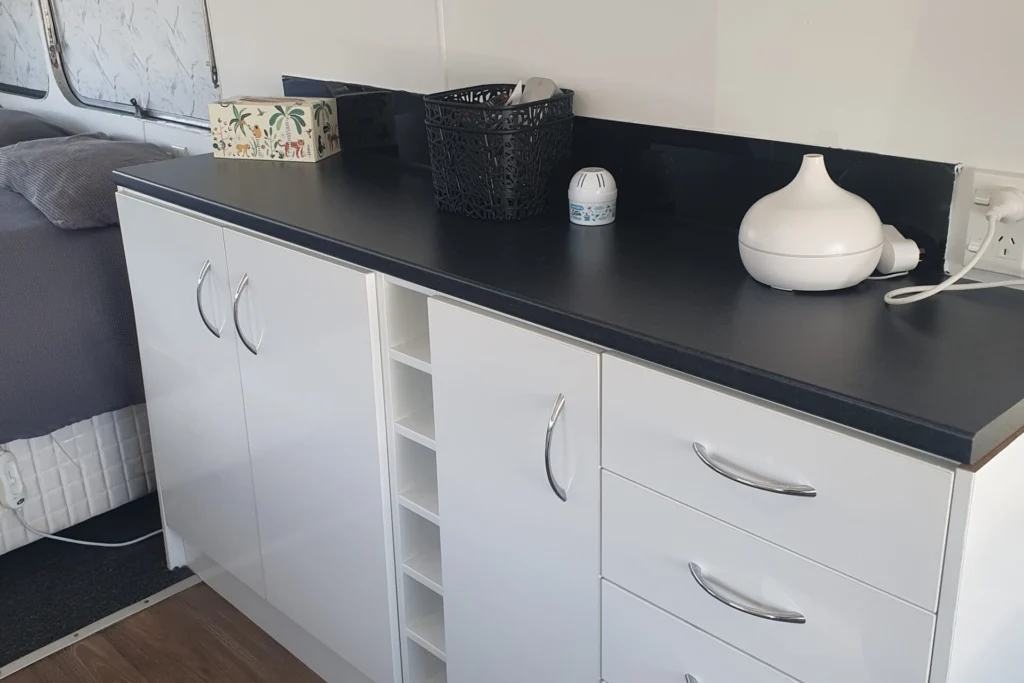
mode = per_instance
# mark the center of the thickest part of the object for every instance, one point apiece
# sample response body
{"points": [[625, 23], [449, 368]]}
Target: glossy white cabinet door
{"points": [[314, 403], [521, 567], [193, 392]]}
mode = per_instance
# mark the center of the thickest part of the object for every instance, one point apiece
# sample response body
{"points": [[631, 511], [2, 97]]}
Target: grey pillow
{"points": [[70, 179], [18, 126]]}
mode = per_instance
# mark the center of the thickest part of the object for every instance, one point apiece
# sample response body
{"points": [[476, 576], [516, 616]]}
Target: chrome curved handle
{"points": [[752, 481], [690, 679], [747, 607], [242, 284], [199, 299], [555, 412]]}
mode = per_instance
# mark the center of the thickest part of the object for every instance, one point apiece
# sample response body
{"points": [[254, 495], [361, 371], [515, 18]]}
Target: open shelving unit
{"points": [[413, 463]]}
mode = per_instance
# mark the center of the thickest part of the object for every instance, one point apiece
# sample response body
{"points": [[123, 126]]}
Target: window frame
{"points": [[56, 59], [20, 91]]}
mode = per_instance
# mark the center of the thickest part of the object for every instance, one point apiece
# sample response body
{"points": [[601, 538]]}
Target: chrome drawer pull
{"points": [[753, 609], [555, 412], [690, 679], [199, 299], [238, 297], [751, 481]]}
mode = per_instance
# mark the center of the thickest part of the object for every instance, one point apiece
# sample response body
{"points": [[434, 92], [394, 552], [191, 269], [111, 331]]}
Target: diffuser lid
{"points": [[812, 216]]}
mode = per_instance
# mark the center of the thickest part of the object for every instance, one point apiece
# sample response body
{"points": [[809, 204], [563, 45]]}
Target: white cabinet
{"points": [[520, 564], [314, 403], [193, 392], [266, 402]]}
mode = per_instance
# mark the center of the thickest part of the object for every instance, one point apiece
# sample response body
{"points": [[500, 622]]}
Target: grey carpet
{"points": [[50, 589]]}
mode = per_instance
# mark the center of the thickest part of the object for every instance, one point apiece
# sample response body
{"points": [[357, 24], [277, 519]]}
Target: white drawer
{"points": [[643, 644], [853, 633], [878, 515]]}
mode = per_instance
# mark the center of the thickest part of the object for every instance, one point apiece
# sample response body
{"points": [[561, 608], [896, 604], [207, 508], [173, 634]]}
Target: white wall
{"points": [[390, 43], [904, 77]]}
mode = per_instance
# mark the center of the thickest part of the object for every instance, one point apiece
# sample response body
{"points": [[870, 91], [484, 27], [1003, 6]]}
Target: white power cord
{"points": [[92, 544], [1007, 205], [15, 506], [890, 276]]}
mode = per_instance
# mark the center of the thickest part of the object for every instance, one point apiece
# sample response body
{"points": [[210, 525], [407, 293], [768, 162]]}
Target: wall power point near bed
{"points": [[12, 488], [1005, 254]]}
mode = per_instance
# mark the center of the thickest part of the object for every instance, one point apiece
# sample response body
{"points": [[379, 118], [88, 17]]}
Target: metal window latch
{"points": [[140, 112]]}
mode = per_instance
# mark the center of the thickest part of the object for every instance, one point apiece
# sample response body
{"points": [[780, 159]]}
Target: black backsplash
{"points": [[699, 178]]}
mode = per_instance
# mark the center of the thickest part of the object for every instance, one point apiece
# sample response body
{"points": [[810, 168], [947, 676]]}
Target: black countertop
{"points": [[944, 375]]}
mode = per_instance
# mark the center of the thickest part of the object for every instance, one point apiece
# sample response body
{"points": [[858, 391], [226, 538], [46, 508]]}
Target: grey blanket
{"points": [[68, 348]]}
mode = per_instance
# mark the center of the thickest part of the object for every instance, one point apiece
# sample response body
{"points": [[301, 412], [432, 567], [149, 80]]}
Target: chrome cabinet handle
{"points": [[754, 482], [242, 284], [555, 412], [690, 679], [199, 299], [753, 609]]}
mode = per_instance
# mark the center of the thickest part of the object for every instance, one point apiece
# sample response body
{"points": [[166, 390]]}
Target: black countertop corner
{"points": [[943, 376]]}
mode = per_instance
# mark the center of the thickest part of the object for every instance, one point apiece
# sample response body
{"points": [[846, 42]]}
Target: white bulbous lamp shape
{"points": [[811, 235]]}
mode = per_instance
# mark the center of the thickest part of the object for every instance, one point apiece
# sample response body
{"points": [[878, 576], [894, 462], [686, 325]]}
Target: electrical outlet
{"points": [[1005, 254]]}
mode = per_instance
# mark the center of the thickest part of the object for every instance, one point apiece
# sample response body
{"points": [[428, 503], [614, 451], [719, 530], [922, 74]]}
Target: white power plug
{"points": [[12, 488], [1005, 205], [899, 255]]}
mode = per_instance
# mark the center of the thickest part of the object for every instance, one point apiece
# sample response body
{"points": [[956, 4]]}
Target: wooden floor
{"points": [[192, 637]]}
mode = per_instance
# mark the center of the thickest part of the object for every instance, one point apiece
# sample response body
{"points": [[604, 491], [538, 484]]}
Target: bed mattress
{"points": [[81, 470], [68, 349]]}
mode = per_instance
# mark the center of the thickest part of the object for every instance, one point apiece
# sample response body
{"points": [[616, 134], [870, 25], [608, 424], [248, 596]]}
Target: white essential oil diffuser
{"points": [[811, 235], [592, 197]]}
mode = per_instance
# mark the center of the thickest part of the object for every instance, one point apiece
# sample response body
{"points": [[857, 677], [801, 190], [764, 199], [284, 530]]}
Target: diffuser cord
{"points": [[1008, 206]]}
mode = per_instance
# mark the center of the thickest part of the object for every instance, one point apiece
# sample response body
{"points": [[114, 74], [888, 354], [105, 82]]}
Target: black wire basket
{"points": [[491, 161]]}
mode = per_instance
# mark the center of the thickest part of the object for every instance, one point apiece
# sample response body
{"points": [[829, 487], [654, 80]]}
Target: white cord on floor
{"points": [[93, 544], [909, 295]]}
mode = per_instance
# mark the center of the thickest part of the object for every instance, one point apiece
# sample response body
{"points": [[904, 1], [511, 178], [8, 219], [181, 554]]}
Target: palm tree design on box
{"points": [[289, 116], [322, 112], [238, 123]]}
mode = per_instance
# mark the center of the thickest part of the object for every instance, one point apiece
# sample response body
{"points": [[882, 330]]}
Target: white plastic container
{"points": [[811, 235], [592, 197]]}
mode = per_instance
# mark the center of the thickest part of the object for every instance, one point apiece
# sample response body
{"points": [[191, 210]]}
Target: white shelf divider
{"points": [[426, 569], [423, 502], [428, 633], [415, 353], [425, 667], [419, 427]]}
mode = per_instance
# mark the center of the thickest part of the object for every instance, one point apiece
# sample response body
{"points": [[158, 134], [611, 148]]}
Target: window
{"points": [[23, 63], [157, 52]]}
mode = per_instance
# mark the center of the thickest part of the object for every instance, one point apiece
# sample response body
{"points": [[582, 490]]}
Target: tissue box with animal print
{"points": [[277, 128]]}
